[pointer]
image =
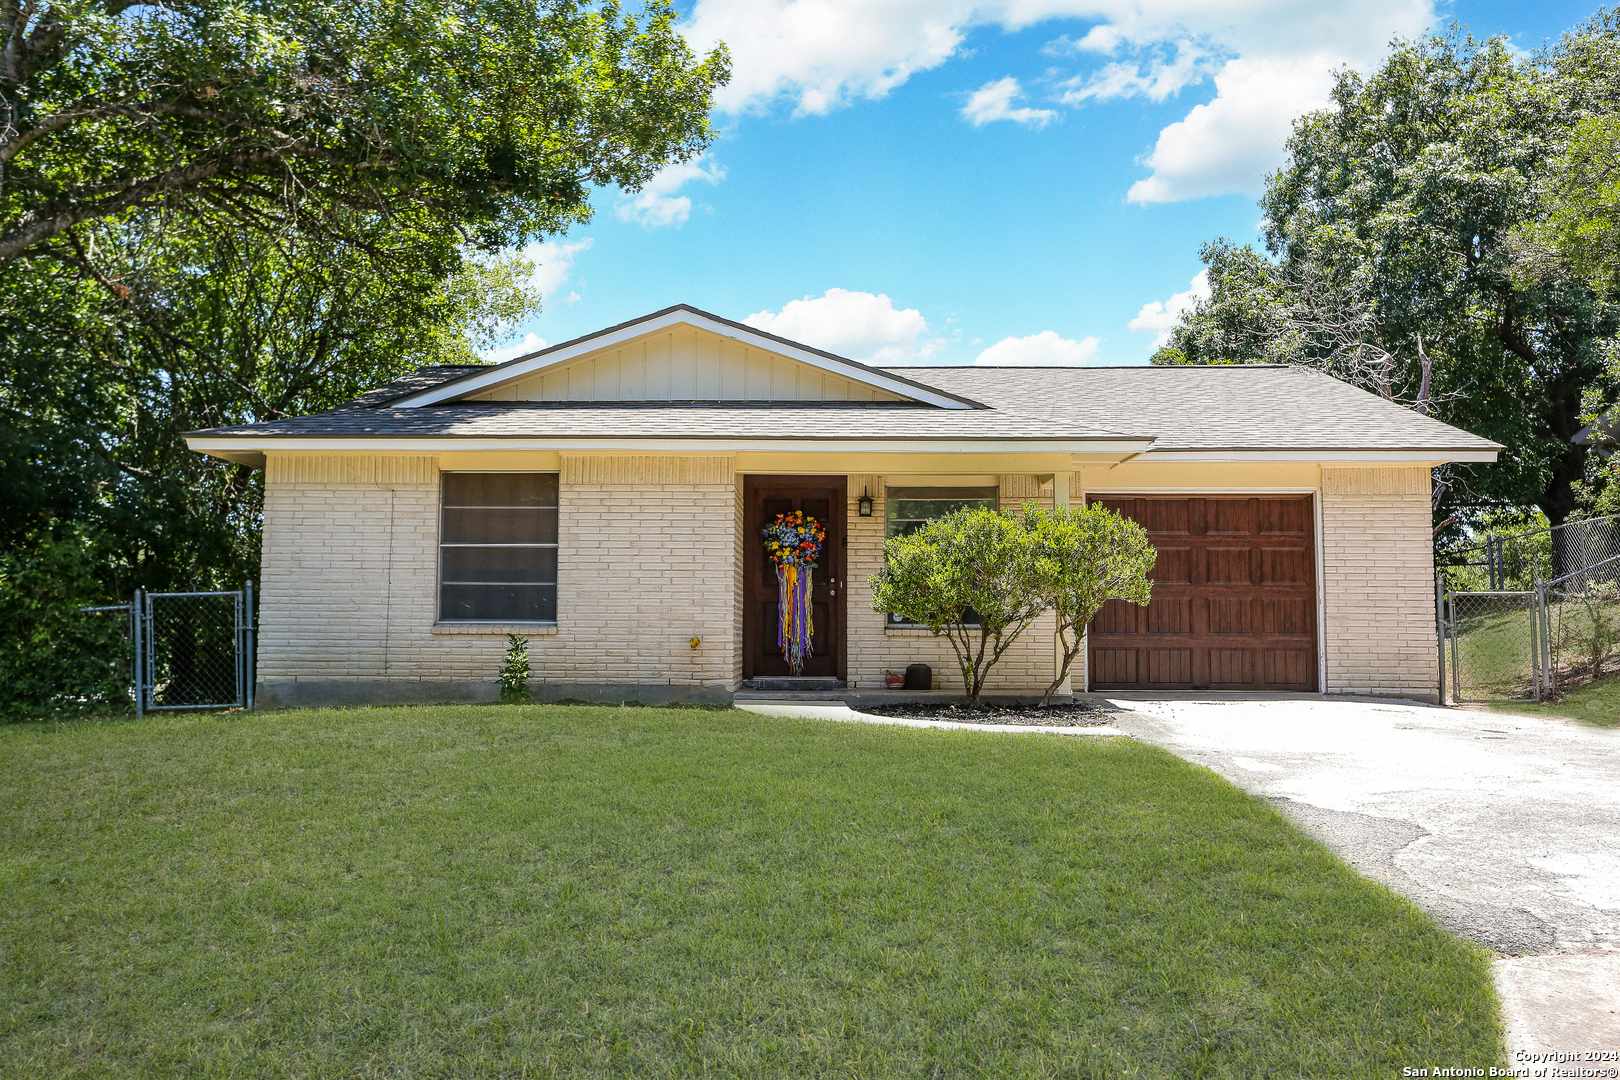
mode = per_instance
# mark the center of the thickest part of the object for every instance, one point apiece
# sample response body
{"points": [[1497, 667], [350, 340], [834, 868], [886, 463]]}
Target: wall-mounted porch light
{"points": [[863, 505]]}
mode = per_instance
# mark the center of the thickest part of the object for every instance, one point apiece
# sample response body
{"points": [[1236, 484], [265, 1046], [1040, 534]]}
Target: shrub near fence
{"points": [[56, 659]]}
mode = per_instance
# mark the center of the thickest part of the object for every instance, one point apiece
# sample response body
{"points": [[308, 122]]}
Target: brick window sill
{"points": [[908, 631], [502, 629]]}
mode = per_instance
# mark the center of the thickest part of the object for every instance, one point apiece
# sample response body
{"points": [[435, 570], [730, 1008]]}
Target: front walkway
{"points": [[1505, 828]]}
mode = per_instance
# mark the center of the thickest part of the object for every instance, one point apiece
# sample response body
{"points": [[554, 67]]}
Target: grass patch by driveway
{"points": [[562, 891], [1595, 703]]}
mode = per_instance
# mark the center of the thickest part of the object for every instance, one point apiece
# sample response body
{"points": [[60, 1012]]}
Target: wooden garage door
{"points": [[1234, 598]]}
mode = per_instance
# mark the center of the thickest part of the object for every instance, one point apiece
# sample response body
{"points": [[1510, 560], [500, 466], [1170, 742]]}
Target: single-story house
{"points": [[605, 497]]}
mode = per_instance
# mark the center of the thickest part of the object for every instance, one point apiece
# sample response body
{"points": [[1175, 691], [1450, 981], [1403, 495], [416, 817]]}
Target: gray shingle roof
{"points": [[1255, 407], [763, 420], [1260, 407]]}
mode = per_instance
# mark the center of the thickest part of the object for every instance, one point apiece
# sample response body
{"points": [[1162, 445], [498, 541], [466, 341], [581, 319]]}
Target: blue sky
{"points": [[951, 181]]}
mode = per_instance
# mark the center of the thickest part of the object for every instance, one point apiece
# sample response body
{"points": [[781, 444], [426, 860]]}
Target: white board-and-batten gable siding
{"points": [[685, 364]]}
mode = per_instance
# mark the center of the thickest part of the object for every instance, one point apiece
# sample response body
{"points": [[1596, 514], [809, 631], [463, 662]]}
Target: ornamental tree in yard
{"points": [[1082, 559], [971, 564]]}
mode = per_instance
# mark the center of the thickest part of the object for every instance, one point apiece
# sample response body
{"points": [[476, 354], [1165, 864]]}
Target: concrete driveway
{"points": [[1505, 828]]}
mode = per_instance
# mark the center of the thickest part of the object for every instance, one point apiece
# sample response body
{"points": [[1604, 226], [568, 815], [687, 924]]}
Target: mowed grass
{"points": [[581, 892], [1596, 703]]}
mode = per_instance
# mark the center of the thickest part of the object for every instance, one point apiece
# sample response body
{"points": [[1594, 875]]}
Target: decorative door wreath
{"points": [[793, 541]]}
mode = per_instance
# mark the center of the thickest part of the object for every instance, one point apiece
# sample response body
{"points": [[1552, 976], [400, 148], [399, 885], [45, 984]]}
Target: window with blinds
{"points": [[498, 547]]}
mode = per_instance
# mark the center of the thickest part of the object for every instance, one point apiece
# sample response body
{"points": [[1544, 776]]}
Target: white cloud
{"points": [[1160, 316], [821, 54], [1271, 61], [1156, 81], [860, 325], [1231, 143], [993, 101], [553, 262], [658, 203], [1045, 349], [500, 355]]}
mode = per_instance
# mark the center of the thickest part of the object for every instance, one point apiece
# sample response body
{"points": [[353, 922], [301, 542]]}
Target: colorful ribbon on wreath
{"points": [[793, 541], [797, 627]]}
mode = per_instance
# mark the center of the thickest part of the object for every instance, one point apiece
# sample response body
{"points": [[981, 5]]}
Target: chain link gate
{"points": [[1491, 646], [1548, 621], [193, 650]]}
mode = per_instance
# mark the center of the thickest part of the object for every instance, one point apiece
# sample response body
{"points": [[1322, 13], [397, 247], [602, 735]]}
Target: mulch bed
{"points": [[1055, 715]]}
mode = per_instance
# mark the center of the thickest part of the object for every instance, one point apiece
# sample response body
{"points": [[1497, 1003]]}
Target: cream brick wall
{"points": [[874, 649], [349, 589], [1378, 578], [349, 586]]}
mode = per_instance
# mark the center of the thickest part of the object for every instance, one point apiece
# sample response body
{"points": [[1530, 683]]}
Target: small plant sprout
{"points": [[515, 670]]}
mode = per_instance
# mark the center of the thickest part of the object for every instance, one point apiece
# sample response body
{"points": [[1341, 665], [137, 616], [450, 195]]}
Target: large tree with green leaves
{"points": [[215, 211], [481, 122], [1392, 260], [98, 380]]}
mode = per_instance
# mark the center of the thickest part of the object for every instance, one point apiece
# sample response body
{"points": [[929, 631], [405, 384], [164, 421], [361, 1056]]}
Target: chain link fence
{"points": [[1581, 619], [192, 650], [194, 656], [1531, 615], [1492, 647]]}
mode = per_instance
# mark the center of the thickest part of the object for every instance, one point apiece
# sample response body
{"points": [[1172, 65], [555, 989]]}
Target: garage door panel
{"points": [[1229, 517], [1230, 615], [1171, 615], [1166, 516], [1290, 669], [1228, 566], [1114, 669], [1286, 616], [1234, 598], [1231, 669], [1285, 566], [1173, 566], [1116, 617], [1170, 669], [1285, 517]]}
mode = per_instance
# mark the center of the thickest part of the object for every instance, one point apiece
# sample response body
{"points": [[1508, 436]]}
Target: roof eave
{"points": [[1326, 455], [236, 445]]}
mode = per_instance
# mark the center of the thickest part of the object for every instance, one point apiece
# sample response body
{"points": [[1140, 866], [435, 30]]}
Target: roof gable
{"points": [[682, 354]]}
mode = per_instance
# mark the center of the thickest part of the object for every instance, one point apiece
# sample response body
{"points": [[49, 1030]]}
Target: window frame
{"points": [[439, 583], [891, 621]]}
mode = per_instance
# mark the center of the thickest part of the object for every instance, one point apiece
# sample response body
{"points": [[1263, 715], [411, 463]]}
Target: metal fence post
{"points": [[1544, 617], [1451, 635], [247, 640], [139, 663], [1440, 630], [1538, 673]]}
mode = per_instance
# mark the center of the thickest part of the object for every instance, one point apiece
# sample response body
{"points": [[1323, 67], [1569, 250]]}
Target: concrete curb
{"points": [[844, 714]]}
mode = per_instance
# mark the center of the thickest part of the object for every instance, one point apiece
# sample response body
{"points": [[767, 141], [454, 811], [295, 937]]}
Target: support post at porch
{"points": [[1060, 498]]}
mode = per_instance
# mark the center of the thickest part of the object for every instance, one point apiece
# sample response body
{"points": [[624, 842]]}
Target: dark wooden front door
{"points": [[1234, 598], [821, 497]]}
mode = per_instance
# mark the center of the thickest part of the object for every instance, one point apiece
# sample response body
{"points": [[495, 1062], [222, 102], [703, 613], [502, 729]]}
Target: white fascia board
{"points": [[1325, 457], [523, 369], [630, 444]]}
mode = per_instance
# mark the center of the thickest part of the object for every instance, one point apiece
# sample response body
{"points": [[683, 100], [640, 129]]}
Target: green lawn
{"points": [[1595, 703], [579, 892]]}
